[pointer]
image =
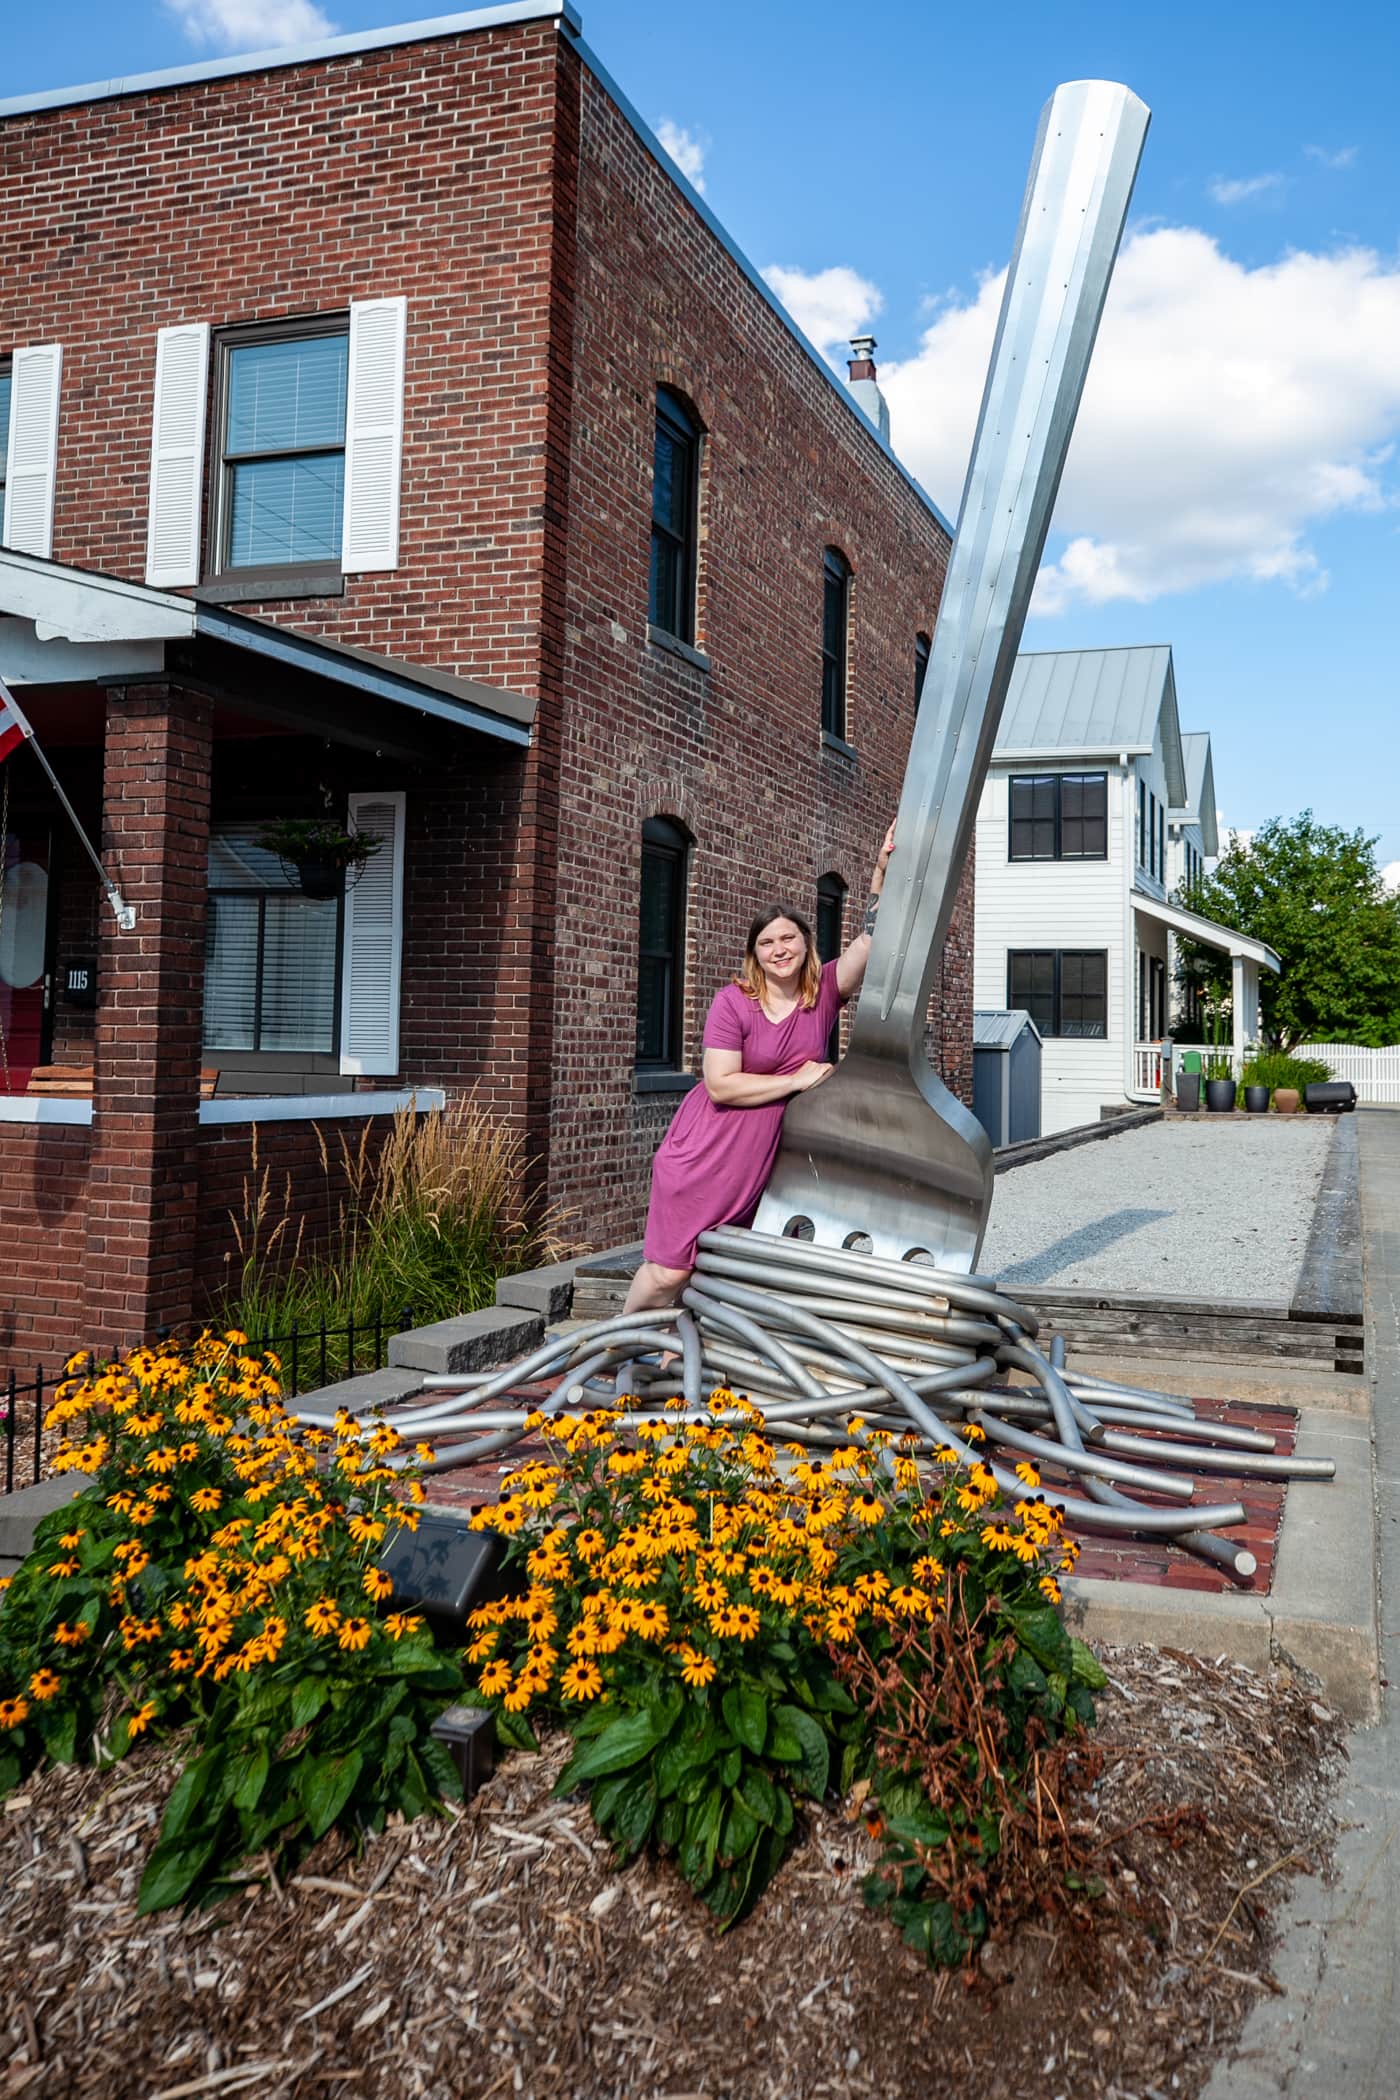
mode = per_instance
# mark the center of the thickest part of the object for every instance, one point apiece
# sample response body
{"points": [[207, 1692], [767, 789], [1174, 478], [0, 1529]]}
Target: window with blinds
{"points": [[282, 439], [271, 958]]}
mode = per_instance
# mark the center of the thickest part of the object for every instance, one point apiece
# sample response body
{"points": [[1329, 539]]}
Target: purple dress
{"points": [[714, 1161]]}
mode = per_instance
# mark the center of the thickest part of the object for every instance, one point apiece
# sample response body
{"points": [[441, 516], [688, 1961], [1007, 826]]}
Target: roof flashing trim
{"points": [[1192, 927], [283, 56]]}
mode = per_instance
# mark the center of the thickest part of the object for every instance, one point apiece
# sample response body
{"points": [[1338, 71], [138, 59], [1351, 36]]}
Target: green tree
{"points": [[1314, 893]]}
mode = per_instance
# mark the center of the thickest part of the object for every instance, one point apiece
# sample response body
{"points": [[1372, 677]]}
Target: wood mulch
{"points": [[496, 1953]]}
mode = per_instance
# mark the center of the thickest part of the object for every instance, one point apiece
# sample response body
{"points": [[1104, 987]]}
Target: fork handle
{"points": [[1086, 156]]}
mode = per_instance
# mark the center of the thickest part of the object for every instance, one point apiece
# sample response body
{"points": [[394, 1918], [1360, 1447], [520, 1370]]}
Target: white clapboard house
{"points": [[1094, 806]]}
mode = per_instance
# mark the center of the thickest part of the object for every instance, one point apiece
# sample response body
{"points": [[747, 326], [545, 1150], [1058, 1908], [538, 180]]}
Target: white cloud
{"points": [[1228, 410], [829, 306], [1344, 157], [1390, 875], [250, 25], [687, 151], [1244, 188]]}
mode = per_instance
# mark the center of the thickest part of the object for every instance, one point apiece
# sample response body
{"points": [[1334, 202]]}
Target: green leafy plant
{"points": [[299, 840], [218, 1576], [1276, 1068], [694, 1602]]}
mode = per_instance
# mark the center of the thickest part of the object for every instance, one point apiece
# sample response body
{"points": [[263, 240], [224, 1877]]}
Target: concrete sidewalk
{"points": [[1335, 2033]]}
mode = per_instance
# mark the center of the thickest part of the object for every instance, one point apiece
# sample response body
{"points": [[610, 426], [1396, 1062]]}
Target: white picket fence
{"points": [[1374, 1073]]}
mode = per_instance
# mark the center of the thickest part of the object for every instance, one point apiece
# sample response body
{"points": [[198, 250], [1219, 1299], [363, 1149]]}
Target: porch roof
{"points": [[66, 626], [1192, 927]]}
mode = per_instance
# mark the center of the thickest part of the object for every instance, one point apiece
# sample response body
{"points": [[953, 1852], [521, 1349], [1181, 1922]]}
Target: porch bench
{"points": [[77, 1079]]}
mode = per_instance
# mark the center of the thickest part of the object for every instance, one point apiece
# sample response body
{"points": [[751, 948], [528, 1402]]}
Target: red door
{"points": [[24, 918]]}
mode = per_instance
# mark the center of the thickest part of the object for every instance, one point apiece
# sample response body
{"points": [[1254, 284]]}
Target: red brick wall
{"points": [[734, 753], [554, 275], [43, 1226]]}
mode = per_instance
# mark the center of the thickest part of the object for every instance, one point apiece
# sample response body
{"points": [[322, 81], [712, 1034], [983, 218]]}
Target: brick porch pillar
{"points": [[143, 1187]]}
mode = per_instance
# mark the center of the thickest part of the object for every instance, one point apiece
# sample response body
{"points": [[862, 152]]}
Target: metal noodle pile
{"points": [[812, 1336]]}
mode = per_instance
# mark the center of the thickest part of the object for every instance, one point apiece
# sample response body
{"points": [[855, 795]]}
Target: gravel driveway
{"points": [[1218, 1209]]}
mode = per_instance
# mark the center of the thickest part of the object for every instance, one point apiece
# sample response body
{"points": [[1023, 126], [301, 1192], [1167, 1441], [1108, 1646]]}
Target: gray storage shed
{"points": [[1006, 1075]]}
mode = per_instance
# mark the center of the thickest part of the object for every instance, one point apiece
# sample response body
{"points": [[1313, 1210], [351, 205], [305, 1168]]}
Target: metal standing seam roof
{"points": [[1199, 805], [997, 1028], [1090, 700]]}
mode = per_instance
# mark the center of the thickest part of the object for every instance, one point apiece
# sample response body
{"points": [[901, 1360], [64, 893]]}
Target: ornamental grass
{"points": [[726, 1626], [219, 1576]]}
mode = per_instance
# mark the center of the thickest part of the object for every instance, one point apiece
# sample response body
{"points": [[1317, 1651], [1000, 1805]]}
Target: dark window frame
{"points": [[923, 650], [1141, 822], [677, 421], [1052, 1023], [665, 841], [835, 641], [1055, 817], [831, 918], [262, 579]]}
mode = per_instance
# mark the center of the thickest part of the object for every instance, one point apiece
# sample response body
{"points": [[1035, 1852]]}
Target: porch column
{"points": [[143, 1189], [1237, 1010]]}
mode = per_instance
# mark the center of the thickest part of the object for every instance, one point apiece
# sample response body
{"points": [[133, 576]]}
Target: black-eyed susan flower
{"points": [[697, 1669], [137, 1723], [867, 1508], [45, 1684], [353, 1635], [365, 1531], [204, 1501], [1050, 1588], [399, 1623], [323, 1616], [13, 1712], [376, 1584], [581, 1680], [495, 1677]]}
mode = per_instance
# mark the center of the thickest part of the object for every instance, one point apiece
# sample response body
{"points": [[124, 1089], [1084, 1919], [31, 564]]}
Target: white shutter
{"points": [[373, 434], [32, 457], [177, 455], [369, 1013]]}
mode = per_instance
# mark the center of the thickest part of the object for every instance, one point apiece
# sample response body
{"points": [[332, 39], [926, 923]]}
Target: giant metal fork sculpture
{"points": [[821, 1338], [883, 1153]]}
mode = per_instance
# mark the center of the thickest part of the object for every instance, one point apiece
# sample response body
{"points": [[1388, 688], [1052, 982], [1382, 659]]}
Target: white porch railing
{"points": [[1374, 1073]]}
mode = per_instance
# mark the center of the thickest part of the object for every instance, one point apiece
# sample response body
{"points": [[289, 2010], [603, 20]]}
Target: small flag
{"points": [[13, 727]]}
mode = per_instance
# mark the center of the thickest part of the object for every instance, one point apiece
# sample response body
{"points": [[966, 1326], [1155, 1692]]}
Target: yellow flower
{"points": [[841, 1626], [64, 1568], [867, 1508], [696, 1669], [323, 1616], [495, 1677], [182, 1659], [652, 1622], [142, 1718], [399, 1623], [1026, 1471], [354, 1634], [44, 1683], [71, 1636], [581, 1680], [908, 1598], [71, 1539], [376, 1584], [12, 1712], [365, 1531], [1050, 1588], [205, 1500], [589, 1544]]}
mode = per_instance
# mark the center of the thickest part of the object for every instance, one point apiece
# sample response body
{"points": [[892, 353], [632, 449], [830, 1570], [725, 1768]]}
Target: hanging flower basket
{"points": [[320, 856]]}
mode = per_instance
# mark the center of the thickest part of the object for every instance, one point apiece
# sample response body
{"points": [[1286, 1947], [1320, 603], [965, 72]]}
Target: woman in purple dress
{"points": [[765, 1040]]}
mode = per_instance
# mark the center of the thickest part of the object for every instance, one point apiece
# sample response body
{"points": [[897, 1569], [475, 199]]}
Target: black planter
{"points": [[1220, 1096], [1188, 1092], [321, 878], [1256, 1100]]}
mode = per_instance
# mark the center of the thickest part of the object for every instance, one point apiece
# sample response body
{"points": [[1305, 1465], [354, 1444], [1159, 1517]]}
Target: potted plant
{"points": [[1256, 1099], [1286, 1077], [321, 854]]}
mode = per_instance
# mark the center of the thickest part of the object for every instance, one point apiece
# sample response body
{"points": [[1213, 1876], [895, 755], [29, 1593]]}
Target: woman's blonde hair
{"points": [[750, 979]]}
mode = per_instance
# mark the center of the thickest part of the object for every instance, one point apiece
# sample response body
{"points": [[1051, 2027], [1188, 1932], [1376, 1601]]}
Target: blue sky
{"points": [[1233, 488]]}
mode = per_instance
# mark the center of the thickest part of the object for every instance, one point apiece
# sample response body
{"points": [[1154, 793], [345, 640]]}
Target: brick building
{"points": [[395, 436]]}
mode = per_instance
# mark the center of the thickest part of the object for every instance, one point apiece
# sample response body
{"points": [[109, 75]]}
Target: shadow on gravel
{"points": [[1090, 1240]]}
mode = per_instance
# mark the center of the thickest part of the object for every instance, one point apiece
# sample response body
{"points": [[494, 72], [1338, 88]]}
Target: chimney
{"points": [[863, 385]]}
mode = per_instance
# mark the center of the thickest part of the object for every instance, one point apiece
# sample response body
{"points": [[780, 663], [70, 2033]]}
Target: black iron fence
{"points": [[311, 1357]]}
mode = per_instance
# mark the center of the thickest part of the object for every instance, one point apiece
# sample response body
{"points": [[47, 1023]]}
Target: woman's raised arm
{"points": [[850, 967]]}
